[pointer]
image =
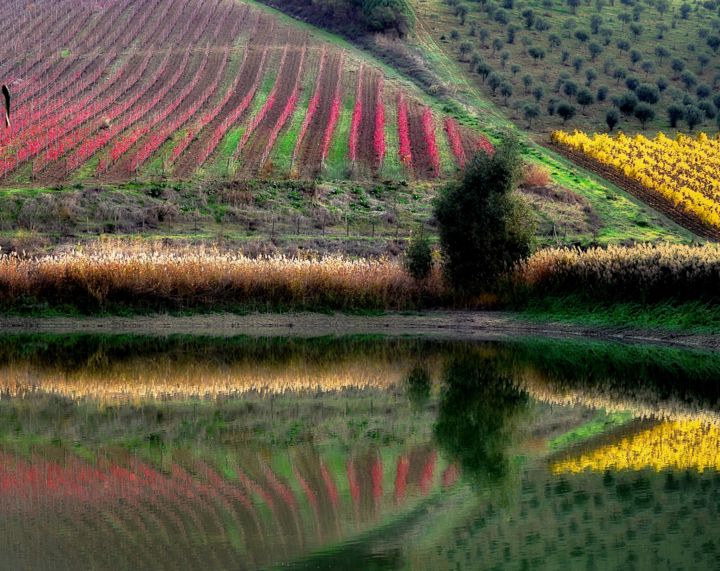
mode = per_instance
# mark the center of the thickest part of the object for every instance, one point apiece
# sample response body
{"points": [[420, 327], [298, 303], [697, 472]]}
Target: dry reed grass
{"points": [[145, 276], [640, 272]]}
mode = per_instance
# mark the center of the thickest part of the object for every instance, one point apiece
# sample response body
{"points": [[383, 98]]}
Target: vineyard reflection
{"points": [[363, 453]]}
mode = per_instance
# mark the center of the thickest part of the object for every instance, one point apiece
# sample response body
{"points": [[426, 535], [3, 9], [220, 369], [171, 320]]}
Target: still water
{"points": [[365, 453]]}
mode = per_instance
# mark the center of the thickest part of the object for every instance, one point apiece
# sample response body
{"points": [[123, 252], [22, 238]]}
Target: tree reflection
{"points": [[417, 385], [478, 412]]}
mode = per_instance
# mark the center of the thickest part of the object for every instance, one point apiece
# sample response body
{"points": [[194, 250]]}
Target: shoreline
{"points": [[456, 325]]}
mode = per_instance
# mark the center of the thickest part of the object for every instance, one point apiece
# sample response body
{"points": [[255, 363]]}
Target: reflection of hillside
{"points": [[625, 520], [124, 513], [679, 445]]}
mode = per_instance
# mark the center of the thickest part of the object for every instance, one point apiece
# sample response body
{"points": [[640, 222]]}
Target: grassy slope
{"points": [[694, 317], [545, 73], [623, 216]]}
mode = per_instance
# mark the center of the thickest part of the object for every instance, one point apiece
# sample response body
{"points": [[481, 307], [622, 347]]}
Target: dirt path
{"points": [[469, 325]]}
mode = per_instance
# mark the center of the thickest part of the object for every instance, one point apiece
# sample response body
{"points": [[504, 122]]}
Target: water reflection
{"points": [[186, 453]]}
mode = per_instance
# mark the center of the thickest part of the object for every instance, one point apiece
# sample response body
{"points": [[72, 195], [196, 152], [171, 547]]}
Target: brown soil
{"points": [[366, 130], [638, 191], [468, 325]]}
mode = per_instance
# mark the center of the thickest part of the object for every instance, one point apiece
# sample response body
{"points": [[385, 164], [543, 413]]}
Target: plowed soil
{"points": [[368, 163], [421, 160], [310, 154]]}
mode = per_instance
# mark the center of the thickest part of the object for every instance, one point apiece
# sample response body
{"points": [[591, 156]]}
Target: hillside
{"points": [[208, 89], [552, 64], [246, 127]]}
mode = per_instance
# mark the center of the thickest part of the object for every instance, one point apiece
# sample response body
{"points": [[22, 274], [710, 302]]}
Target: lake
{"points": [[131, 452]]}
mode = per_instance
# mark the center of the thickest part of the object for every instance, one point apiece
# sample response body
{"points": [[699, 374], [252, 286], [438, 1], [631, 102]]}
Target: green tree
{"points": [[644, 113], [527, 82], [484, 228], [530, 111], [479, 415], [384, 15], [570, 88], [595, 50], [506, 90], [464, 49], [675, 113], [627, 104], [566, 111], [693, 116], [590, 76], [494, 80], [584, 98], [648, 93]]}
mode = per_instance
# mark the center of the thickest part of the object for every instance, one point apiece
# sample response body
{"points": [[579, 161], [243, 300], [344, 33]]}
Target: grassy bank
{"points": [[693, 316]]}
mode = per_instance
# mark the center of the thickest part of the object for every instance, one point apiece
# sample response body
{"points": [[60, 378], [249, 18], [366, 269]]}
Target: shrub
{"points": [[418, 256], [484, 229], [566, 111], [612, 118], [151, 277], [535, 175]]}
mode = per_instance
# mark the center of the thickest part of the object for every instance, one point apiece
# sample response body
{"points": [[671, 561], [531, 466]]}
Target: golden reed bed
{"points": [[145, 275]]}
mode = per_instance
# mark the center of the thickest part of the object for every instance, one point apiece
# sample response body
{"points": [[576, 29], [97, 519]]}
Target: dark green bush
{"points": [[418, 256], [484, 229]]}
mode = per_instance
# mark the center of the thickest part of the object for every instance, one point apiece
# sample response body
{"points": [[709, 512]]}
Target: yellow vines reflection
{"points": [[681, 445]]}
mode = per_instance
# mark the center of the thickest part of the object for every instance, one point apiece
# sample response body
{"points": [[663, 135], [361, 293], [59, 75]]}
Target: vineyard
{"points": [[682, 173], [125, 89]]}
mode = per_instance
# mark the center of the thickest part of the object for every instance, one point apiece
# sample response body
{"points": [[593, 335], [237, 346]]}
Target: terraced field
{"points": [[123, 89]]}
